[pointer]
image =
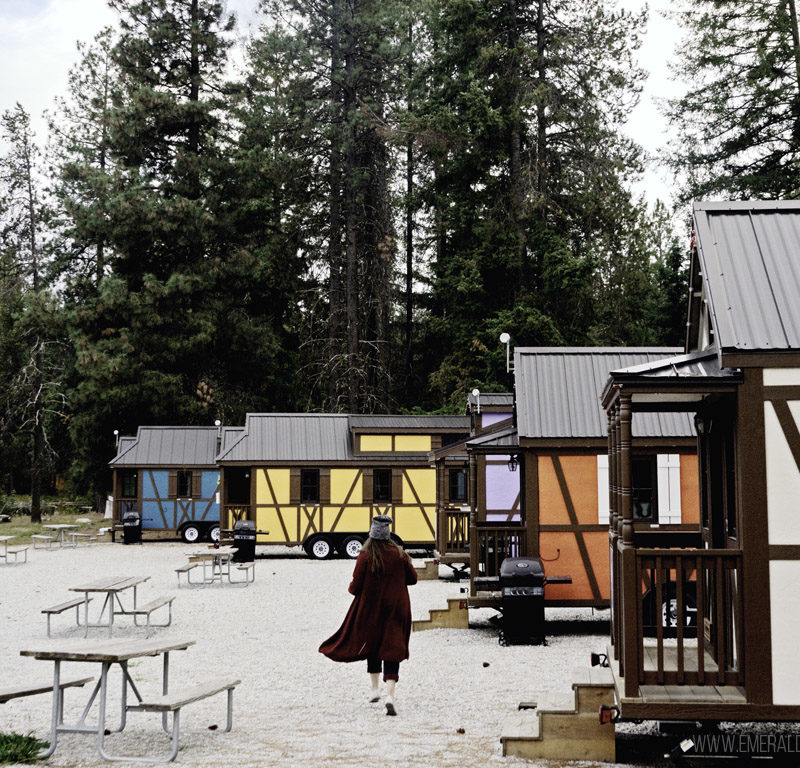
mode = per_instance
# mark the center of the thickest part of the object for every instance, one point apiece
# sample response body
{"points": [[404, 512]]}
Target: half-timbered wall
{"points": [[344, 508], [162, 510], [782, 446], [394, 443]]}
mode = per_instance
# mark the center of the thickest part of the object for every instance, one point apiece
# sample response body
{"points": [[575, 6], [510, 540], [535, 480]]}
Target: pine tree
{"points": [[738, 126]]}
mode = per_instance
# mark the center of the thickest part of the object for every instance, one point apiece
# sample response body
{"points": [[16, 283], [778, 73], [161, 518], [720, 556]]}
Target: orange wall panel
{"points": [[580, 473], [690, 489], [552, 510], [561, 556]]}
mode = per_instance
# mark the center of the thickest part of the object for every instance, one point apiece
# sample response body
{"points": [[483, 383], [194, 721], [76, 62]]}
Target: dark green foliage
{"points": [[19, 748], [739, 124]]}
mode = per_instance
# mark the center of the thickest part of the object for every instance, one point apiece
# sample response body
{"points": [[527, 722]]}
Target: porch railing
{"points": [[452, 531], [492, 544], [689, 620], [234, 512]]}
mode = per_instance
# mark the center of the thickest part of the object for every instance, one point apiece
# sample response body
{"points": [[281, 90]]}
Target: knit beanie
{"points": [[380, 527]]}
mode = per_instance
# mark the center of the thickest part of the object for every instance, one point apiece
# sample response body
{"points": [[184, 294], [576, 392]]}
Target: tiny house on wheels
{"points": [[317, 479], [169, 476], [730, 651]]}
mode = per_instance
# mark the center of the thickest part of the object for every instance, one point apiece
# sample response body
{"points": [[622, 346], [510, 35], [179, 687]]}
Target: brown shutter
{"points": [[397, 486], [436, 442], [366, 486], [197, 484], [325, 486], [294, 486], [173, 484]]}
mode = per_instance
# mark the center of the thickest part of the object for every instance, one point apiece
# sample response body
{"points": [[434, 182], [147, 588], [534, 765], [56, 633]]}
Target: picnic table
{"points": [[218, 566], [113, 605], [60, 531], [15, 552], [108, 653]]}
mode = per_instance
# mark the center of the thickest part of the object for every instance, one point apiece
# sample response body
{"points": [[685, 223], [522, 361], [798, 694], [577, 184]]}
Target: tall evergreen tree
{"points": [[738, 126]]}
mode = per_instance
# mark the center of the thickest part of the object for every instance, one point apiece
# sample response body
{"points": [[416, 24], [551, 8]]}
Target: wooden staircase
{"points": [[565, 726], [455, 616], [428, 571]]}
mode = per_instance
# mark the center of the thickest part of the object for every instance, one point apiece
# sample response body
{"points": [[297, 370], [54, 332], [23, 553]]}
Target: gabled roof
{"points": [[506, 439], [436, 423], [291, 437], [168, 447], [489, 400], [749, 254], [558, 392]]}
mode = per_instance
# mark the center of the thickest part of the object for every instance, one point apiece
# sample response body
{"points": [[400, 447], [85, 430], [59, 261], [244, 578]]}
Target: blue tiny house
{"points": [[168, 476]]}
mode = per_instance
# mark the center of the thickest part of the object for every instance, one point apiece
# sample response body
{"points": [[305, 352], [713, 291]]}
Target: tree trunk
{"points": [[409, 295], [516, 180], [541, 114]]}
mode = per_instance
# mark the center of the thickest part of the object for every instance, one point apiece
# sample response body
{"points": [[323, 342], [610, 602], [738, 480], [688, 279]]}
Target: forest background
{"points": [[350, 221]]}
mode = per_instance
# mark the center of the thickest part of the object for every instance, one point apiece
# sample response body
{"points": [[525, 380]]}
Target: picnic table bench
{"points": [[18, 691], [44, 539], [148, 608], [75, 603]]}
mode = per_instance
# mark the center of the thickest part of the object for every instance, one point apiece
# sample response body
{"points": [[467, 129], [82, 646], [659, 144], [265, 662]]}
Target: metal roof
{"points": [[292, 437], [558, 392], [408, 421], [507, 438], [489, 399], [169, 447], [750, 259], [698, 365]]}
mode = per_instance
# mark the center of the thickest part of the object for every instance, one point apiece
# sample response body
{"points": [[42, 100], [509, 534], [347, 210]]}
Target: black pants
{"points": [[390, 668]]}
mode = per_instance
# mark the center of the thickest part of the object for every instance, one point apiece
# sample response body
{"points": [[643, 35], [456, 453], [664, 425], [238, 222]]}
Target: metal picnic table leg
{"points": [[57, 711]]}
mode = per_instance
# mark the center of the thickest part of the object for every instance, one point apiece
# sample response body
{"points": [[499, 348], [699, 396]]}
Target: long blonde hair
{"points": [[376, 549]]}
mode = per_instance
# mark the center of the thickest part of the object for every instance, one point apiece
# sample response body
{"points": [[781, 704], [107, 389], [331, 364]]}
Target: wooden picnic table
{"points": [[106, 653], [112, 605]]}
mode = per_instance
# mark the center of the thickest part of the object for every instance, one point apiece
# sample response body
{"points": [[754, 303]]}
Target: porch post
{"points": [[474, 544], [612, 521]]}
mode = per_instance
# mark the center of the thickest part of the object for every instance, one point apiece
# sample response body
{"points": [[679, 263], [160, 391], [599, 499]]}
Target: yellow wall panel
{"points": [[354, 519], [341, 482], [279, 479], [274, 520], [376, 443], [424, 482], [410, 525], [417, 443]]}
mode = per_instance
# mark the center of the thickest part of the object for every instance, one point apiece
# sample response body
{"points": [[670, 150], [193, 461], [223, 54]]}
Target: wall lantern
{"points": [[513, 461], [702, 425]]}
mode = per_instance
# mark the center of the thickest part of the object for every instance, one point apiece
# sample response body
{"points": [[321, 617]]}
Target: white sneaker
{"points": [[374, 695]]}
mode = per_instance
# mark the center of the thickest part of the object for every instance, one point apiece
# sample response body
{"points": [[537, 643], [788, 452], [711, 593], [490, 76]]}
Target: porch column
{"points": [[474, 544], [612, 520], [631, 595]]}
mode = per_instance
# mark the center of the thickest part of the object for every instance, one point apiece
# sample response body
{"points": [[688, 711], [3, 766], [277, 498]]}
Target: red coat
{"points": [[378, 622]]}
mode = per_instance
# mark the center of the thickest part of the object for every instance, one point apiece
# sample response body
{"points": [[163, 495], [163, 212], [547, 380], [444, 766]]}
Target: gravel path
{"points": [[294, 707]]}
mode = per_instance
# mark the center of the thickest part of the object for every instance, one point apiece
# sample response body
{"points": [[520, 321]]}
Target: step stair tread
{"points": [[551, 701], [592, 676], [522, 725]]}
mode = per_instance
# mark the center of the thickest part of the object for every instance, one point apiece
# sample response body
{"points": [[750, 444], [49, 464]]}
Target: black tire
{"points": [[319, 548], [350, 546], [212, 534], [191, 533], [667, 611]]}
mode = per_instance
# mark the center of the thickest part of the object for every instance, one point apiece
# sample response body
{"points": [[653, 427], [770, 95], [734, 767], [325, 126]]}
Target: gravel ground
{"points": [[294, 706]]}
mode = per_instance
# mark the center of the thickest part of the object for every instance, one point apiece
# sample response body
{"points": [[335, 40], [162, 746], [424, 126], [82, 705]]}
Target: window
{"points": [[382, 485], [184, 485], [643, 482], [237, 483], [458, 485], [130, 484], [309, 485]]}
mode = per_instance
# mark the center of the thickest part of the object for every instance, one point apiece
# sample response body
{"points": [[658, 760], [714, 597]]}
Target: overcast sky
{"points": [[37, 48]]}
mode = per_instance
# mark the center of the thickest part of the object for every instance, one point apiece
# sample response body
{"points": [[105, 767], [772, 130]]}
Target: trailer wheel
{"points": [[213, 533], [668, 614], [190, 533], [319, 548], [350, 547]]}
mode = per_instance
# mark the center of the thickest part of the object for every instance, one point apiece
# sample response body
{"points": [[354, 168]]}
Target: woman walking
{"points": [[378, 623]]}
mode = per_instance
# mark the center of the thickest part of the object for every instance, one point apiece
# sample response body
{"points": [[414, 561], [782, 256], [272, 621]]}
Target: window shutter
{"points": [[603, 506], [669, 488], [436, 442], [173, 484], [367, 486], [325, 485], [397, 486], [294, 486], [196, 479]]}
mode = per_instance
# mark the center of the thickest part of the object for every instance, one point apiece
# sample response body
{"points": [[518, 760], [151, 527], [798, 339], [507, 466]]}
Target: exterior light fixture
{"points": [[476, 393], [513, 461], [116, 438], [505, 338]]}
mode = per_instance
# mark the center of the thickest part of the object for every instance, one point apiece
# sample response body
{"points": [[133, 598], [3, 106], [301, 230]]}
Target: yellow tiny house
{"points": [[317, 479]]}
